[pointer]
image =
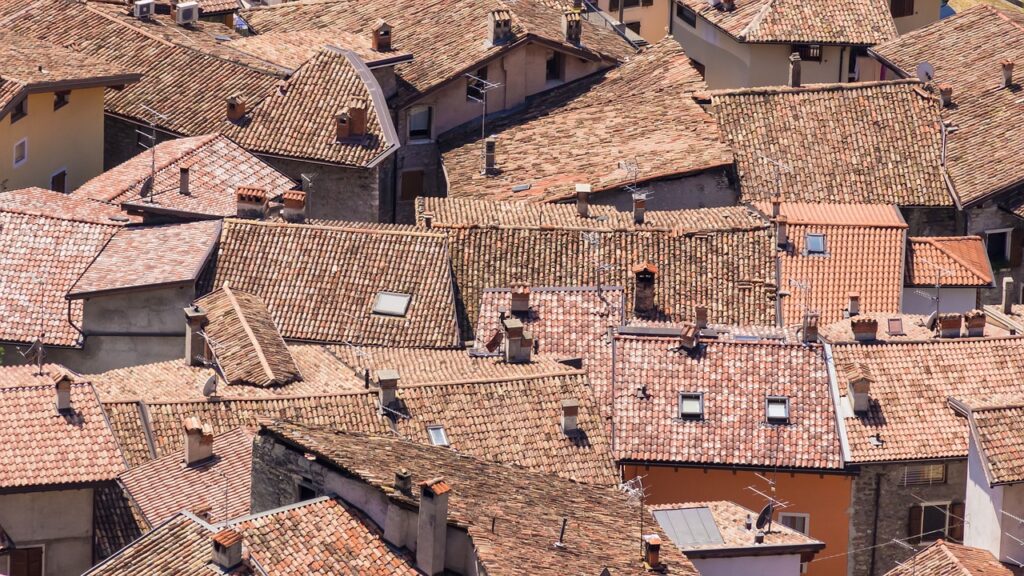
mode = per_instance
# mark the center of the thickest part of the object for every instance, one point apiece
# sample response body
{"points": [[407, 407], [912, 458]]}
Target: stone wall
{"points": [[984, 218], [933, 221], [338, 192], [121, 140]]}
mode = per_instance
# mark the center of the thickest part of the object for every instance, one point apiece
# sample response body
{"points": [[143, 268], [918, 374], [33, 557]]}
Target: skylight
{"points": [[777, 410], [815, 243], [391, 304], [896, 327], [691, 405], [438, 436]]}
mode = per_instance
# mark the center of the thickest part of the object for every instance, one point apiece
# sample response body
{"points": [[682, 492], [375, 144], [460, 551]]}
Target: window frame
{"points": [[906, 8], [686, 14], [807, 244], [5, 560], [62, 170], [809, 52], [773, 398], [377, 311], [20, 110], [61, 98], [558, 58], [1007, 247], [25, 159], [947, 504], [690, 416], [803, 515], [421, 135], [905, 480], [431, 428]]}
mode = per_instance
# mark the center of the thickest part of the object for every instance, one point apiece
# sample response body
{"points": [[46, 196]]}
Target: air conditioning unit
{"points": [[144, 8], [186, 13]]}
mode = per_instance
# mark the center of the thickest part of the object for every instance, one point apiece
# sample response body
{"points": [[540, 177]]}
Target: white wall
{"points": [[957, 300], [788, 565], [982, 508], [61, 521]]}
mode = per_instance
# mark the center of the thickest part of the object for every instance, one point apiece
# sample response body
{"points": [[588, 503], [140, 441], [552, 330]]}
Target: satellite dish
{"points": [[925, 72], [765, 516], [210, 388]]}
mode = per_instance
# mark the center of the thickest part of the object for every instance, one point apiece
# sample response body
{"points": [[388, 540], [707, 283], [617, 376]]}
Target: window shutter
{"points": [[613, 5], [956, 523], [914, 525], [1015, 246]]}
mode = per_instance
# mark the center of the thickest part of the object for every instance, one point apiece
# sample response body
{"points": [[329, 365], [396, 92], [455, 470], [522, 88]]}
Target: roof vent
{"points": [[688, 335], [62, 386], [794, 70], [236, 107], [864, 329], [583, 200], [1007, 73], [946, 95], [227, 549], [975, 323], [950, 325], [572, 26], [381, 41], [570, 415], [198, 441], [501, 26]]}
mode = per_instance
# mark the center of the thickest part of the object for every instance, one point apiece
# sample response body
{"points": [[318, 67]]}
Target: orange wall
{"points": [[826, 497]]}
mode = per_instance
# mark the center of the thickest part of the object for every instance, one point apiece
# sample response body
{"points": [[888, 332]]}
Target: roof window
{"points": [[815, 244], [438, 436], [691, 405], [391, 304], [896, 327], [777, 409]]}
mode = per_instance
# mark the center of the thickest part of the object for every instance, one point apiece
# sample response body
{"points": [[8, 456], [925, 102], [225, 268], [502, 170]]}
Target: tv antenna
{"points": [[477, 92], [147, 185], [940, 273], [634, 491], [780, 168], [804, 287]]}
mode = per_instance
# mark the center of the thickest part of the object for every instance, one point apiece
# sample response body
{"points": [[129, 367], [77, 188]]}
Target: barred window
{"points": [[923, 474]]}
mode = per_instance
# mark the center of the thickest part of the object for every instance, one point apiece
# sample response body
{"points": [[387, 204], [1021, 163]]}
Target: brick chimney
{"points": [[1007, 296], [852, 304], [639, 207], [858, 388], [432, 526], [196, 351], [809, 328], [946, 95], [975, 323], [357, 110], [501, 26], [387, 383], [950, 325], [236, 107], [520, 299], [570, 413], [689, 335], [781, 233], [428, 220], [518, 341], [583, 200], [227, 549], [652, 551], [1007, 73], [62, 386], [294, 209], [794, 70], [185, 169], [776, 205], [490, 159], [198, 441], [342, 126], [572, 26], [701, 317], [403, 481], [864, 329], [381, 41], [252, 202], [643, 297]]}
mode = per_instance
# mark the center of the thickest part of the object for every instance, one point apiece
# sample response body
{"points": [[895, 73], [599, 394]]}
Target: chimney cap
{"points": [[570, 403], [387, 375], [645, 266], [227, 538], [251, 194], [436, 486], [194, 424], [381, 24], [585, 188]]}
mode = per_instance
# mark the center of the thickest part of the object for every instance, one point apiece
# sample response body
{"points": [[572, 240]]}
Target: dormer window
{"points": [[20, 110], [691, 405], [896, 327], [438, 435], [815, 244], [393, 304], [777, 409]]}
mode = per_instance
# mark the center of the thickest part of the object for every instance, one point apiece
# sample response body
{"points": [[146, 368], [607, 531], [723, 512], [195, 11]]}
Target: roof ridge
{"points": [[222, 399], [498, 380], [203, 141], [286, 508], [354, 227], [811, 88], [81, 219], [957, 259], [248, 332]]}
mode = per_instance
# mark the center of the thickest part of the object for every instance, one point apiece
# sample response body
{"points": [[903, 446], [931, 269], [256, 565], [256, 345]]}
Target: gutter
{"points": [[844, 442], [762, 550]]}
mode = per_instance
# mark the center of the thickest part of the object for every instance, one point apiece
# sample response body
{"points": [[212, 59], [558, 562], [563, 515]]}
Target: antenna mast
{"points": [[147, 191], [477, 92]]}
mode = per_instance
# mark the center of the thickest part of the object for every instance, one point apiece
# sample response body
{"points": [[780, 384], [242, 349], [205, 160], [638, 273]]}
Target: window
{"points": [[438, 437], [25, 562], [60, 99], [391, 304], [20, 152], [555, 65], [997, 242], [634, 26], [304, 489], [808, 52], [796, 521], [777, 410], [896, 327], [474, 88], [691, 405], [924, 474], [58, 182], [419, 123], [686, 14], [411, 184], [816, 244], [20, 110], [930, 521], [901, 8]]}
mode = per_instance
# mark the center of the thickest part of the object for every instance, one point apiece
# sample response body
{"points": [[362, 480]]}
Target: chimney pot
{"points": [[859, 388], [198, 441], [1008, 295], [62, 386], [702, 317], [501, 26], [864, 329], [520, 299], [294, 209], [518, 341], [1007, 73], [572, 26], [381, 36], [570, 415], [643, 296], [975, 323], [652, 550], [252, 202], [432, 526], [794, 70], [490, 151], [946, 95], [387, 382], [403, 481], [227, 549], [781, 235], [583, 200], [853, 304], [236, 108], [759, 537], [183, 188], [809, 332], [749, 523], [196, 351], [639, 207], [950, 325]]}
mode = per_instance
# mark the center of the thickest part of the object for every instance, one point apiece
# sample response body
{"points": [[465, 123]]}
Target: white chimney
{"points": [[583, 200], [198, 441], [227, 549], [570, 415], [794, 70], [518, 342], [1007, 295], [859, 389], [432, 526], [196, 351], [1007, 73], [294, 209], [387, 382], [62, 386]]}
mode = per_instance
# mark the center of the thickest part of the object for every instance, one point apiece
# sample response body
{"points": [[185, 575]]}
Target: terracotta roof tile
{"points": [[730, 518], [292, 49], [912, 327], [117, 520], [948, 559], [620, 110], [952, 261], [997, 432], [863, 22], [829, 154], [427, 365]]}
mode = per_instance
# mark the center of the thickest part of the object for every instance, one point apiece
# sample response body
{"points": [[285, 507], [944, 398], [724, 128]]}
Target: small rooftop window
{"points": [[438, 436], [391, 304], [896, 327], [815, 243], [691, 405], [777, 410]]}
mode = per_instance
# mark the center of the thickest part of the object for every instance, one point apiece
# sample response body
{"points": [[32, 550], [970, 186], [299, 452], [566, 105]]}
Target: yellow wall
{"points": [[925, 12], [653, 19], [826, 497], [69, 138]]}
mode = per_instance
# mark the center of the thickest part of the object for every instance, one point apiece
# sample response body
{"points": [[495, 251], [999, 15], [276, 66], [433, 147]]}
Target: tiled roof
{"points": [[864, 247], [730, 519], [244, 340], [44, 447], [445, 38], [870, 142], [320, 282], [428, 365], [735, 378], [47, 240], [945, 558], [151, 256], [216, 489], [292, 49], [997, 433], [910, 384], [299, 120], [217, 168], [966, 51], [912, 328], [117, 520], [623, 109], [525, 508], [863, 22], [310, 538], [723, 258], [953, 261]]}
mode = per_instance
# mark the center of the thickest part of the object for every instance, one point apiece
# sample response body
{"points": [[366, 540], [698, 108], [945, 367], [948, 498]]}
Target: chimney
{"points": [[294, 209], [62, 386], [227, 549], [432, 526], [381, 41], [490, 148], [702, 317], [728, 5], [196, 352], [652, 551], [776, 205], [1007, 295], [759, 537], [853, 304], [583, 200], [975, 323], [781, 237], [688, 335], [252, 202], [236, 108], [520, 299], [342, 126], [639, 207], [859, 389], [198, 441], [809, 328], [356, 110], [387, 382], [403, 481], [572, 26], [643, 296], [1007, 73], [184, 170], [794, 70], [864, 329], [570, 413], [946, 95], [501, 26], [518, 341], [950, 325]]}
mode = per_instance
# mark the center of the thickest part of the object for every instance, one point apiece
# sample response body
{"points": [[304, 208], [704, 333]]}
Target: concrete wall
{"points": [[983, 510], [787, 565], [69, 138], [892, 503], [925, 12], [703, 190], [919, 300], [59, 520], [825, 497]]}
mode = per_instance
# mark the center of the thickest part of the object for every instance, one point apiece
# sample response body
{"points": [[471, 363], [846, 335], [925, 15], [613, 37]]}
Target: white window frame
{"points": [[25, 159], [430, 124], [1009, 239], [789, 409], [804, 515], [444, 434], [700, 400], [386, 314], [947, 504], [824, 244]]}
